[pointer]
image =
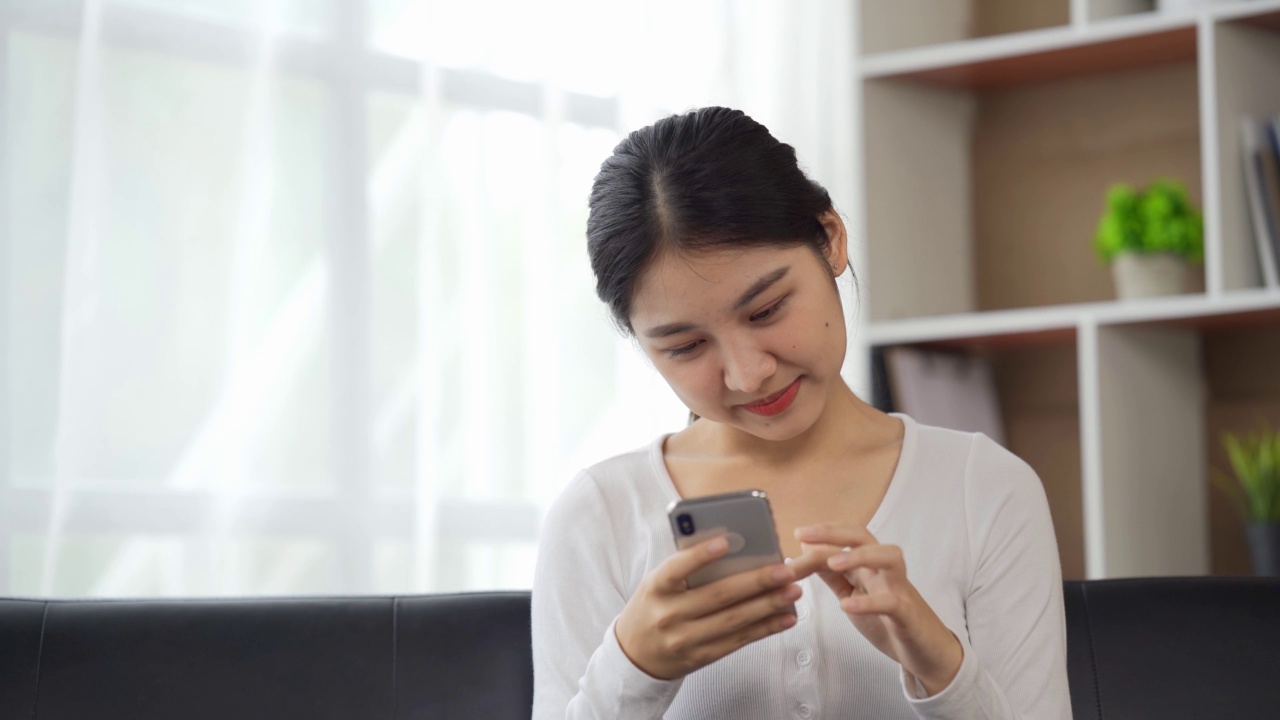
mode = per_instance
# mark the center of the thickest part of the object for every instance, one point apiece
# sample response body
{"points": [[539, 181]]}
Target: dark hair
{"points": [[707, 179]]}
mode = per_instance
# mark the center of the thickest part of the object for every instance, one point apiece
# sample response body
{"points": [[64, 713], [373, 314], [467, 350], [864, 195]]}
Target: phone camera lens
{"points": [[686, 524]]}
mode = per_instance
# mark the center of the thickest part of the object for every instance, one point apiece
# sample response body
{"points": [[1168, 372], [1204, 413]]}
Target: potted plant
{"points": [[1255, 463], [1149, 237]]}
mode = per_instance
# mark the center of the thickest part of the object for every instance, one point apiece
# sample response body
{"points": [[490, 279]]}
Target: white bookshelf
{"points": [[988, 134]]}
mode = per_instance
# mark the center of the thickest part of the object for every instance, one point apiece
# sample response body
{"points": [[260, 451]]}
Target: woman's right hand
{"points": [[668, 630]]}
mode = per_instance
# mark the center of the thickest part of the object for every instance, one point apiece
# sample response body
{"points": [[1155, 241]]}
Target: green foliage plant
{"points": [[1157, 219], [1255, 463]]}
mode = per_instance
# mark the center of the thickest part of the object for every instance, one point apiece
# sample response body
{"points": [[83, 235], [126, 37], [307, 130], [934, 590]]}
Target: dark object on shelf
{"points": [[881, 394], [1260, 146], [1264, 548], [1142, 648], [946, 388]]}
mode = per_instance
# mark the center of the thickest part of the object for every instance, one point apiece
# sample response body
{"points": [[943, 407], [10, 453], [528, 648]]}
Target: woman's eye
{"points": [[684, 349], [768, 312]]}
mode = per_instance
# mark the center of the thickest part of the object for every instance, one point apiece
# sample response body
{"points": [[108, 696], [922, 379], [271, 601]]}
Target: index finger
{"points": [[814, 558], [673, 571]]}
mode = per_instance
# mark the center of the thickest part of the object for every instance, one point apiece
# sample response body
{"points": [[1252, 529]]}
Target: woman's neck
{"points": [[845, 423]]}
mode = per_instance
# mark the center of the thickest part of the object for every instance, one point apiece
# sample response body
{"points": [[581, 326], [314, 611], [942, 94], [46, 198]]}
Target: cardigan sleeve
{"points": [[1015, 663], [579, 669]]}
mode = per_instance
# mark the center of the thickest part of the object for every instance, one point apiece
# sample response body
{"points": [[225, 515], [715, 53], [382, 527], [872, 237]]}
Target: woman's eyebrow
{"points": [[761, 285], [672, 329]]}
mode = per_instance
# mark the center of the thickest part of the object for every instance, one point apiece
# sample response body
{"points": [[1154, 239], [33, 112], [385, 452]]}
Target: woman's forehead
{"points": [[707, 281]]}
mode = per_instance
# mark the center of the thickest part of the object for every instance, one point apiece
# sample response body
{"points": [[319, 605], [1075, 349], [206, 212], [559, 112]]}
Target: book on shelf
{"points": [[945, 389], [1271, 166], [1260, 146]]}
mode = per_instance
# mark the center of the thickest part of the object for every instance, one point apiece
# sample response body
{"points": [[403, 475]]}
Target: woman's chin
{"points": [[776, 428]]}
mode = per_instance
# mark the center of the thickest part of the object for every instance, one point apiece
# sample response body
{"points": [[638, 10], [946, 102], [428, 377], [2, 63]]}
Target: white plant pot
{"points": [[1143, 275]]}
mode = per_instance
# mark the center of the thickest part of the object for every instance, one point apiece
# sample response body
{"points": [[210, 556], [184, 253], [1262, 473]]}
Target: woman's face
{"points": [[751, 338]]}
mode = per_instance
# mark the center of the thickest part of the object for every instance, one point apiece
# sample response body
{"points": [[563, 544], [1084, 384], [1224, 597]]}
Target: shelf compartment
{"points": [[1242, 384], [1144, 487], [888, 25], [1168, 390], [1245, 65], [1039, 401], [989, 200], [1044, 157]]}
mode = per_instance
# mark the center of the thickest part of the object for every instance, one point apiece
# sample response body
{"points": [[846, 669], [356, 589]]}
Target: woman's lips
{"points": [[777, 402]]}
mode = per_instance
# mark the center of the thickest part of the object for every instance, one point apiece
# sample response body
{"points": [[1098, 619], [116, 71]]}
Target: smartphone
{"points": [[746, 521]]}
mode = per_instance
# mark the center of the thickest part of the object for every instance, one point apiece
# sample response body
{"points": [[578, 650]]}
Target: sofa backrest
{"points": [[1174, 648], [432, 656], [1143, 648]]}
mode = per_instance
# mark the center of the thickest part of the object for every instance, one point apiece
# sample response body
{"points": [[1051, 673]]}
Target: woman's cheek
{"points": [[689, 381]]}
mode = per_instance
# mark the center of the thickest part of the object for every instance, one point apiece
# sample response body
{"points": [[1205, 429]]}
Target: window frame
{"points": [[353, 70]]}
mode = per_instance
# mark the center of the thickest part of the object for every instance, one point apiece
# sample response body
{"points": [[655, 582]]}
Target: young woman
{"points": [[922, 562]]}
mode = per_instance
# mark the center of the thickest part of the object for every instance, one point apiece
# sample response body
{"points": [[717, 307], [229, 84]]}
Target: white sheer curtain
{"points": [[295, 292]]}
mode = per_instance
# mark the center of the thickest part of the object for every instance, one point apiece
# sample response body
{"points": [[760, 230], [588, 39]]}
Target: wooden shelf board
{"points": [[1058, 324], [1192, 310], [1043, 55], [1270, 22], [1117, 43], [1263, 14], [1013, 341], [1225, 321], [1012, 326]]}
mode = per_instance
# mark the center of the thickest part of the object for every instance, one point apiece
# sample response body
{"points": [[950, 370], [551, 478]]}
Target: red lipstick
{"points": [[775, 403]]}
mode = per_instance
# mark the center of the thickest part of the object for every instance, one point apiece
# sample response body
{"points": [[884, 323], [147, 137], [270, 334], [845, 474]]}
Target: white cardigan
{"points": [[974, 527]]}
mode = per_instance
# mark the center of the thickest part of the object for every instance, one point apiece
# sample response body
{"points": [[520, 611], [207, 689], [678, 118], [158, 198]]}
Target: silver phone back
{"points": [[745, 518]]}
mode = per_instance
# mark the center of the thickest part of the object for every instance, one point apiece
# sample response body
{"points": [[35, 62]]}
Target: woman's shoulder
{"points": [[627, 481], [970, 476], [973, 458]]}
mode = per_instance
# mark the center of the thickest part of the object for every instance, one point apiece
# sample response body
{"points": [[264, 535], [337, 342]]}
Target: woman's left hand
{"points": [[871, 581]]}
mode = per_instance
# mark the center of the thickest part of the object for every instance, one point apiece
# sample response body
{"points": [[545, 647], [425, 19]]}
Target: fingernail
{"points": [[792, 593], [803, 532], [717, 546], [838, 562], [788, 620], [782, 574]]}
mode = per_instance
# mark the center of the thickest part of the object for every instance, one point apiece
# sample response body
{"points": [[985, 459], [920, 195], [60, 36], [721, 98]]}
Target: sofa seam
{"points": [[1093, 659], [35, 692], [395, 656]]}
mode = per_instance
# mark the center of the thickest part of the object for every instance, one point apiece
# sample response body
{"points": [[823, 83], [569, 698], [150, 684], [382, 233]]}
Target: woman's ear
{"points": [[837, 241]]}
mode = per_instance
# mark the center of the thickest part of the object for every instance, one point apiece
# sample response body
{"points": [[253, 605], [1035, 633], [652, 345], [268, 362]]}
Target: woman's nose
{"points": [[746, 367]]}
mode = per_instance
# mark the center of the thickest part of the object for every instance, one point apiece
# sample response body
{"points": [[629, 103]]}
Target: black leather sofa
{"points": [[1145, 648]]}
